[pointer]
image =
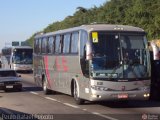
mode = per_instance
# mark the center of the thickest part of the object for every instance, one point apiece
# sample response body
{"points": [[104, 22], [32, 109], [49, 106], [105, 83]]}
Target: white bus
{"points": [[94, 62], [19, 58]]}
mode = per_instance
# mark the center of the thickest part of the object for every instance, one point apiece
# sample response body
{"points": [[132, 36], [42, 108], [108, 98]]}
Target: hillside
{"points": [[140, 13]]}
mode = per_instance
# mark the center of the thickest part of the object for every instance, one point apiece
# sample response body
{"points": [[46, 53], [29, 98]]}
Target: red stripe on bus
{"points": [[46, 69], [58, 66], [64, 64]]}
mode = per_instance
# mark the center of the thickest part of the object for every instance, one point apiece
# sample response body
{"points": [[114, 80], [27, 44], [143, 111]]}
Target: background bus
{"points": [[19, 58], [5, 57], [94, 62]]}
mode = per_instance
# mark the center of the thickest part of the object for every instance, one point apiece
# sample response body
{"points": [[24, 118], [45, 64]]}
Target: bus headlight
{"points": [[99, 88], [146, 95]]}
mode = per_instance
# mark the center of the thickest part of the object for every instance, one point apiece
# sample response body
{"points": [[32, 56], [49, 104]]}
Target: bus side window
{"points": [[39, 46], [61, 44], [83, 41], [50, 45], [84, 63], [36, 45], [54, 44], [57, 42], [66, 43], [44, 44], [74, 42]]}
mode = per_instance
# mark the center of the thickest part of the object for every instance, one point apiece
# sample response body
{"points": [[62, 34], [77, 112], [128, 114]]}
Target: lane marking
{"points": [[48, 98], [84, 109], [34, 93], [70, 105], [67, 104], [104, 116], [77, 107]]}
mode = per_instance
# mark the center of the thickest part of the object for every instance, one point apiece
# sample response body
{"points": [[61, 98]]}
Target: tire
{"points": [[19, 89], [78, 100], [45, 89], [6, 90]]}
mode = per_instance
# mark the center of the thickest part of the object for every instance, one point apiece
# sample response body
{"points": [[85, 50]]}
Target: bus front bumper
{"points": [[120, 95], [21, 68]]}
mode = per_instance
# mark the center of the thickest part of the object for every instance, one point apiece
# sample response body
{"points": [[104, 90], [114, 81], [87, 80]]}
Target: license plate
{"points": [[9, 86], [122, 96]]}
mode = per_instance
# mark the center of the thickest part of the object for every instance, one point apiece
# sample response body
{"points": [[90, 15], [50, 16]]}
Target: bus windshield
{"points": [[22, 56], [120, 55]]}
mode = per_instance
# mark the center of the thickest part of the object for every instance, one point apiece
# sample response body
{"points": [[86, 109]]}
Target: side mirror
{"points": [[88, 51], [155, 51]]}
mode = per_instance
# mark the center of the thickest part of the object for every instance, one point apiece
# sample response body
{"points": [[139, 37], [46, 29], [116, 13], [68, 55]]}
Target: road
{"points": [[31, 103]]}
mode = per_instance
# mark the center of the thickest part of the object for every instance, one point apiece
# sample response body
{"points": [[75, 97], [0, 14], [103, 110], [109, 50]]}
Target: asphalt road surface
{"points": [[32, 104]]}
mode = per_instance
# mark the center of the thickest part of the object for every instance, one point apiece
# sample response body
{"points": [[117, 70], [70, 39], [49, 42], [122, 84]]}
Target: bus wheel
{"points": [[78, 100], [19, 89], [45, 89]]}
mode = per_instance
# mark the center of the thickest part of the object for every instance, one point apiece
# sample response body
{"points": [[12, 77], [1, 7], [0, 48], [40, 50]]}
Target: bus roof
{"points": [[18, 47], [96, 27], [21, 47]]}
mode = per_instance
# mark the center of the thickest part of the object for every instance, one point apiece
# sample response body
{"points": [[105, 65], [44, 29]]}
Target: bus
{"points": [[97, 62], [5, 57], [19, 58]]}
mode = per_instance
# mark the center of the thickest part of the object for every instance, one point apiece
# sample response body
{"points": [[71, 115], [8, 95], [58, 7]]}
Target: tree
{"points": [[140, 13]]}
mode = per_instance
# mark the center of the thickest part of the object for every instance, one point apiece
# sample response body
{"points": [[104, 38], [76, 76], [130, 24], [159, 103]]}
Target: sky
{"points": [[20, 19]]}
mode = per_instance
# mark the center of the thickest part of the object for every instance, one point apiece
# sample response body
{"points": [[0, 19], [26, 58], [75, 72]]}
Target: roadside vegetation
{"points": [[140, 13]]}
